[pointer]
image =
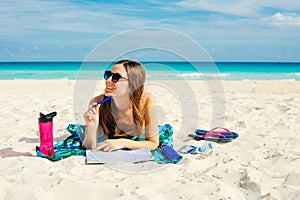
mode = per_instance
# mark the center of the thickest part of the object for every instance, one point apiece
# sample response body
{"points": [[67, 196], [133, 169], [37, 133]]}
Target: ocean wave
{"points": [[269, 80], [297, 74], [189, 76], [203, 75], [40, 79]]}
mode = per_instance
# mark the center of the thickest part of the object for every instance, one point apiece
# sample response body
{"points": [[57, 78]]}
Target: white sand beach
{"points": [[262, 163]]}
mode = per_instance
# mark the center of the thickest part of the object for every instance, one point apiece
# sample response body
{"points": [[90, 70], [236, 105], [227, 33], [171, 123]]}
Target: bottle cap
{"points": [[47, 117]]}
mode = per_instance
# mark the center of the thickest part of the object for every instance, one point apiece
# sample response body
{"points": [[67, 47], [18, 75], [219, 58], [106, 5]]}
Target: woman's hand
{"points": [[110, 145], [91, 116]]}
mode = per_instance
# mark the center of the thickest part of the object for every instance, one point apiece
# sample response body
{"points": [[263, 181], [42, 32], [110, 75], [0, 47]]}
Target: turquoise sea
{"points": [[154, 70]]}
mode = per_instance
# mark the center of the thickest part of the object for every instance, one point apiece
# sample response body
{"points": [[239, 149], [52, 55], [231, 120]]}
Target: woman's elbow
{"points": [[154, 145], [85, 146], [88, 145]]}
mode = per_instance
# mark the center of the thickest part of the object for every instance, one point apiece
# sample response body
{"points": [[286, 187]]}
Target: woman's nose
{"points": [[109, 79]]}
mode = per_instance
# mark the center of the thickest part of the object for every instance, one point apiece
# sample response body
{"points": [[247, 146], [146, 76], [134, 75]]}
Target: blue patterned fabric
{"points": [[72, 146], [165, 138]]}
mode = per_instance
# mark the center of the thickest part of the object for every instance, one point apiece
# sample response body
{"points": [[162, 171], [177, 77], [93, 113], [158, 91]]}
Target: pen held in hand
{"points": [[103, 101]]}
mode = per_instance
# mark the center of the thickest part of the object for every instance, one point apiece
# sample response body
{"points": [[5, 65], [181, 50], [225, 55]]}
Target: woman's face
{"points": [[119, 88]]}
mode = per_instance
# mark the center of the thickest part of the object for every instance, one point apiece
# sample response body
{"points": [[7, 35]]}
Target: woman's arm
{"points": [[92, 125], [115, 144], [151, 123]]}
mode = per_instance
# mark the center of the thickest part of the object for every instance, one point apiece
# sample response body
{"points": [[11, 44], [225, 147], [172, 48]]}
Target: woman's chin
{"points": [[108, 93]]}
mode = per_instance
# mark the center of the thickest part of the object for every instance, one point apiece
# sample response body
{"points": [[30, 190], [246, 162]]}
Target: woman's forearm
{"points": [[90, 138], [131, 144]]}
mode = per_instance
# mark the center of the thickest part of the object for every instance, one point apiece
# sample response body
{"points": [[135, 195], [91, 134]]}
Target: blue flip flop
{"points": [[223, 131], [211, 137]]}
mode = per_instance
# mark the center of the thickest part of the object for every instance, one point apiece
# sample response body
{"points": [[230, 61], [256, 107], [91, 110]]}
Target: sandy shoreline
{"points": [[262, 163]]}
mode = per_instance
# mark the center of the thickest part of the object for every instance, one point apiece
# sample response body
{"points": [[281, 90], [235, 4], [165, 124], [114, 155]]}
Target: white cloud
{"points": [[240, 7], [57, 16], [280, 19]]}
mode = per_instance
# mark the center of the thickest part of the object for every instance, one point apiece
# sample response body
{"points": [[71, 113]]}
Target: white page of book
{"points": [[119, 156]]}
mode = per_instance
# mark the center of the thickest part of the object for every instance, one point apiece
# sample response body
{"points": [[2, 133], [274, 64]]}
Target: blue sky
{"points": [[229, 30]]}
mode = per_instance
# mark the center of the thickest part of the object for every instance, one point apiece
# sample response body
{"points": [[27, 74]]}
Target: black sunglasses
{"points": [[115, 76]]}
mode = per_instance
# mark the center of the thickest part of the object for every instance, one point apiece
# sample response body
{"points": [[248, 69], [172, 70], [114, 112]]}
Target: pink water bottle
{"points": [[46, 133]]}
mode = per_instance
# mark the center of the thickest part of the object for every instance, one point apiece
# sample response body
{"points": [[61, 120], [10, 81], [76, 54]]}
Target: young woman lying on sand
{"points": [[124, 117]]}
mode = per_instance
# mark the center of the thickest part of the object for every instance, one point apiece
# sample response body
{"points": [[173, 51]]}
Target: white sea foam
{"points": [[217, 75], [189, 75], [203, 75], [297, 74], [268, 79]]}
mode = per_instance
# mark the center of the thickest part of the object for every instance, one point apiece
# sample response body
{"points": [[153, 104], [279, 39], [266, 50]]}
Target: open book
{"points": [[119, 156]]}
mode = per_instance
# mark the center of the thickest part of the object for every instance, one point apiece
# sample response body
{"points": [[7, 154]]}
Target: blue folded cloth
{"points": [[72, 145], [165, 138]]}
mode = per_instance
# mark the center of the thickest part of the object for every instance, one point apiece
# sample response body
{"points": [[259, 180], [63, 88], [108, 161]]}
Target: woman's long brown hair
{"points": [[136, 77]]}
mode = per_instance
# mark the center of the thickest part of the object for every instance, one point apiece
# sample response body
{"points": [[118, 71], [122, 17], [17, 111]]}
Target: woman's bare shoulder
{"points": [[148, 99]]}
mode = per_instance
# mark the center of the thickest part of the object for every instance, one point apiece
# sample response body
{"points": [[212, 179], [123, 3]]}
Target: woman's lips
{"points": [[109, 89]]}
